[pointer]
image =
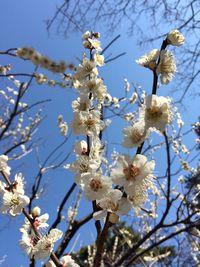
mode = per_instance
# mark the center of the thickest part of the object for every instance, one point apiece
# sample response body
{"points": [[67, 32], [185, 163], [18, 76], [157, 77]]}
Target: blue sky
{"points": [[22, 24]]}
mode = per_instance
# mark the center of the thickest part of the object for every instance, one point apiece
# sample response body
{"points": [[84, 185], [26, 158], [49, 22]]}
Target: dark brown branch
{"points": [[100, 243]]}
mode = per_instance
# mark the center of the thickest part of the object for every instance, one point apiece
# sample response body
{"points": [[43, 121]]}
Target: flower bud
{"points": [[113, 218], [81, 147], [175, 38], [36, 212]]}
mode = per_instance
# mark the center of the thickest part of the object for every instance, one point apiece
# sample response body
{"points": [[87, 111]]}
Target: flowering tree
{"points": [[159, 15], [119, 186]]}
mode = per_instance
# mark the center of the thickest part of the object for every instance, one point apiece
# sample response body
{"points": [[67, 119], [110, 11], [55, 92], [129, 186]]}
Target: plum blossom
{"points": [[134, 173], [157, 112], [96, 149], [84, 165], [41, 248], [17, 186], [176, 38], [81, 148], [87, 67], [39, 223], [166, 67], [113, 202], [13, 203], [99, 59], [82, 103], [66, 261], [96, 87], [134, 135], [149, 59], [138, 197], [86, 35], [3, 165], [62, 125], [96, 186], [87, 123]]}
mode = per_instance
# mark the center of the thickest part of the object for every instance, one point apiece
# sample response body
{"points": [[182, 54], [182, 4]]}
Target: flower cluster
{"points": [[13, 195], [35, 244], [163, 62], [129, 179], [166, 66], [156, 112], [41, 60], [34, 241], [114, 187]]}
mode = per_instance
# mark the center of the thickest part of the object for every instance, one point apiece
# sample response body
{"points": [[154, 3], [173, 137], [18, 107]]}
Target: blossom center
{"points": [[37, 222], [96, 184], [90, 123], [154, 113], [136, 136], [82, 106], [131, 172], [83, 167], [152, 65], [112, 205], [91, 85], [14, 201]]}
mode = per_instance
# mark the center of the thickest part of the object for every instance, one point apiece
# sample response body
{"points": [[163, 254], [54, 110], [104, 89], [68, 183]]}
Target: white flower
{"points": [[96, 148], [149, 59], [17, 186], [134, 135], [45, 245], [39, 223], [113, 202], [99, 59], [27, 243], [175, 38], [84, 165], [3, 165], [36, 211], [13, 203], [88, 67], [96, 87], [96, 186], [45, 62], [66, 261], [138, 197], [81, 148], [86, 35], [107, 100], [41, 248], [82, 103], [63, 128], [166, 67], [95, 44], [158, 112], [87, 123], [133, 173]]}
